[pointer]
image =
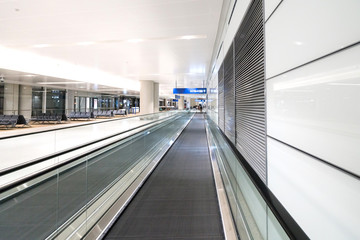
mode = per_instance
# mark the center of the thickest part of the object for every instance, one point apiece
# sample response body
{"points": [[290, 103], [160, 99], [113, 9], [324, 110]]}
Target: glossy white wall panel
{"points": [[304, 30], [316, 108], [323, 200], [270, 6]]}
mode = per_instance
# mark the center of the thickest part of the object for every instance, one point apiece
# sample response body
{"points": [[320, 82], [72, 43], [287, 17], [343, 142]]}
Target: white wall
{"points": [[312, 66], [323, 200], [313, 113], [303, 30]]}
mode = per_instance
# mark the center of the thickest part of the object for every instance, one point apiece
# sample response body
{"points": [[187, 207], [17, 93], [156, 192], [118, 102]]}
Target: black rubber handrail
{"points": [[79, 125], [36, 161], [61, 164]]}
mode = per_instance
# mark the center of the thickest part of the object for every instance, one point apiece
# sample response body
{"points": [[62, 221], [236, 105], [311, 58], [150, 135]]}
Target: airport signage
{"points": [[189, 91], [200, 100], [213, 90], [175, 100], [177, 96]]}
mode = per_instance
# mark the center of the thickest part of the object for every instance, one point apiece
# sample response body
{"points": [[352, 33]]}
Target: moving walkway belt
{"points": [[178, 201]]}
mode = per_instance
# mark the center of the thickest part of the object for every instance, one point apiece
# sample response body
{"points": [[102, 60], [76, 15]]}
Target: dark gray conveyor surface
{"points": [[178, 201]]}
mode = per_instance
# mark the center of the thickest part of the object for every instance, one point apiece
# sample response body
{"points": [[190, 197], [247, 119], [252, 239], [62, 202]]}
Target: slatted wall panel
{"points": [[250, 86], [221, 100], [229, 91]]}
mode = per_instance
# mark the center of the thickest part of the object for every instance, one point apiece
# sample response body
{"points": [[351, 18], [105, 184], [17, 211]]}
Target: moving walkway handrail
{"points": [[290, 226], [78, 125], [22, 180]]}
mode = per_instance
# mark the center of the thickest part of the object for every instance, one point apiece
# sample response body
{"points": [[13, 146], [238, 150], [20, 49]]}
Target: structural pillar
{"points": [[149, 97], [156, 97], [192, 102], [69, 101], [11, 99], [25, 101], [44, 100], [181, 103]]}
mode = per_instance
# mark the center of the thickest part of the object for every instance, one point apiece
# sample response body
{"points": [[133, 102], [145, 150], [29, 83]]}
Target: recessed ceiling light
{"points": [[42, 45], [85, 43], [298, 43], [189, 37], [345, 84], [49, 83], [137, 40]]}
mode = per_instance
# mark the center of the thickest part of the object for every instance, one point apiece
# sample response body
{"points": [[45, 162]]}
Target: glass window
{"points": [[1, 98], [37, 94], [55, 101]]}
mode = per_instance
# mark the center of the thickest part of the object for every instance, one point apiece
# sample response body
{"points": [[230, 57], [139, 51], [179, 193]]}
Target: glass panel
{"points": [[59, 140], [69, 200], [275, 231], [248, 208], [1, 98], [55, 101], [32, 214]]}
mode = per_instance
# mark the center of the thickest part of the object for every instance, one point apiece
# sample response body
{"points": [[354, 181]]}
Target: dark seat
{"points": [[47, 118], [9, 120], [120, 112], [80, 115]]}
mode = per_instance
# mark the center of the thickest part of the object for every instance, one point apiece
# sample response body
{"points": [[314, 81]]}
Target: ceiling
{"points": [[111, 42]]}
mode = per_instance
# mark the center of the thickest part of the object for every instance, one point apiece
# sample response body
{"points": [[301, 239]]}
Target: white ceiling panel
{"points": [[167, 41]]}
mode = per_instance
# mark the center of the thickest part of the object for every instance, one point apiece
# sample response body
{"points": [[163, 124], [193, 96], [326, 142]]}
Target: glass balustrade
{"points": [[67, 200], [252, 216]]}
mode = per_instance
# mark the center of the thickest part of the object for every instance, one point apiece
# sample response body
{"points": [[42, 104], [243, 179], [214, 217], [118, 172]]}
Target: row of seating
{"points": [[12, 120], [96, 114], [80, 115], [47, 117], [120, 112], [107, 113], [8, 120]]}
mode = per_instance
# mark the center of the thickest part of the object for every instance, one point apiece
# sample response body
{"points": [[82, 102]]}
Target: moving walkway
{"points": [[155, 181]]}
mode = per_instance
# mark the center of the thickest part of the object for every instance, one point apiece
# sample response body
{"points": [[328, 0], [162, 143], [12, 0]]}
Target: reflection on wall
{"points": [[1, 98], [103, 102], [37, 94]]}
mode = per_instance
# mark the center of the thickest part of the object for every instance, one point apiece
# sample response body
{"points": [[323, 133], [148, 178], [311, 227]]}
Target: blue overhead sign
{"points": [[199, 100], [177, 96], [189, 91], [175, 100]]}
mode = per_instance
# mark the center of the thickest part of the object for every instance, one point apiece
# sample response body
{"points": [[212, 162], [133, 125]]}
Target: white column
{"points": [[156, 97], [25, 101], [44, 100], [69, 101], [192, 102], [181, 103], [146, 97], [11, 99]]}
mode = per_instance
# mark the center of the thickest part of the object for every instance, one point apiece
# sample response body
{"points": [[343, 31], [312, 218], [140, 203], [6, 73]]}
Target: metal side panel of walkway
{"points": [[179, 199]]}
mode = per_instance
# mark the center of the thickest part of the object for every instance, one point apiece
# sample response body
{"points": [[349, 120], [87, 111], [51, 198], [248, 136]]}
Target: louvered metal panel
{"points": [[221, 100], [229, 91], [249, 89]]}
